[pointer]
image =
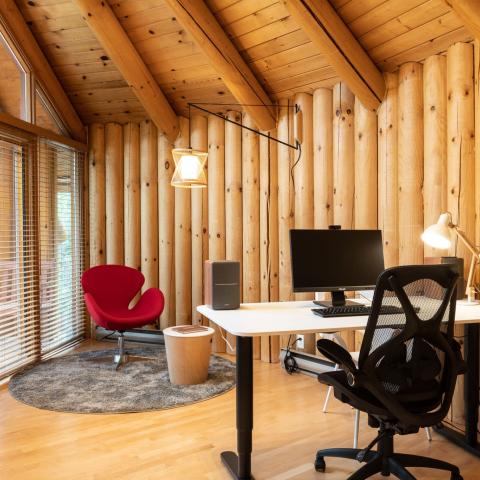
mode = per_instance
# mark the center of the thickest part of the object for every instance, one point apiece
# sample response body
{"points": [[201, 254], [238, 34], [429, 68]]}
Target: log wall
{"points": [[396, 170]]}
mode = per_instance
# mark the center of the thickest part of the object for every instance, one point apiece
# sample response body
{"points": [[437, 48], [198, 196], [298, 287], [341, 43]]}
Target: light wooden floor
{"points": [[185, 443]]}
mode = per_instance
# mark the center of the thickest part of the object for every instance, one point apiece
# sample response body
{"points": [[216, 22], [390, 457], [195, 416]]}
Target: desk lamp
{"points": [[438, 236]]}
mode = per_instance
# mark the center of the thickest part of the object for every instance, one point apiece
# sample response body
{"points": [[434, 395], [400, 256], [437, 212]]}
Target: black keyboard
{"points": [[349, 311]]}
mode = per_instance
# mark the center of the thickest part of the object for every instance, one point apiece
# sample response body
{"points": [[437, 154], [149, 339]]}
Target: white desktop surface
{"points": [[277, 318]]}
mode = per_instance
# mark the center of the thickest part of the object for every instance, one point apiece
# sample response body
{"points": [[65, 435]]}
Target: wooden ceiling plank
{"points": [[353, 9], [381, 14], [405, 22], [237, 76], [283, 58], [276, 45], [332, 37], [432, 46], [106, 27], [469, 12], [18, 29], [262, 17], [415, 37], [267, 32], [240, 10]]}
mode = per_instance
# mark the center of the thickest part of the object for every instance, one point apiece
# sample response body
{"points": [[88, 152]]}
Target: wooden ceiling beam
{"points": [[198, 20], [469, 13], [328, 32], [113, 38], [15, 24]]}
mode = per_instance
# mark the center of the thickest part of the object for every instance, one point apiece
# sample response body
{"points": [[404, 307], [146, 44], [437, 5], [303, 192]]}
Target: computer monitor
{"points": [[335, 261]]}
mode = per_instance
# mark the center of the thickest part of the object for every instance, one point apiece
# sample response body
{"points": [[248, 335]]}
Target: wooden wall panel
{"points": [[251, 218], [461, 143], [166, 230], [114, 193], [410, 163], [233, 197], [183, 243], [216, 202], [199, 141], [476, 75], [366, 174], [435, 143], [148, 202], [322, 157], [388, 170], [343, 166], [285, 203], [343, 156], [96, 176], [269, 236], [303, 181], [131, 194]]}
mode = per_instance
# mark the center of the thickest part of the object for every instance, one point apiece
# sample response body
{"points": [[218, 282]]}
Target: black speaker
{"points": [[457, 265], [222, 284]]}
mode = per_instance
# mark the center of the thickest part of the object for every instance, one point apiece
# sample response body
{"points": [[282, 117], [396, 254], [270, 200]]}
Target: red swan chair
{"points": [[108, 291]]}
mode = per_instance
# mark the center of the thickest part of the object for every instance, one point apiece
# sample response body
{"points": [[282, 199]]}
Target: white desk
{"points": [[279, 318]]}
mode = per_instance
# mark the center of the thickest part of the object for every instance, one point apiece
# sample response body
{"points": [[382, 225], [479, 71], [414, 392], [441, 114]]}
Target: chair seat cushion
{"points": [[362, 399]]}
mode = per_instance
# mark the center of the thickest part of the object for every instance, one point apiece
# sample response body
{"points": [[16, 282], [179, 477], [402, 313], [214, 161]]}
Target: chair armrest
{"points": [[152, 302], [337, 354]]}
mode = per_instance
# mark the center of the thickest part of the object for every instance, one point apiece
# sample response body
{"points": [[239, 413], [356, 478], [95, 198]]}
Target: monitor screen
{"points": [[333, 260]]}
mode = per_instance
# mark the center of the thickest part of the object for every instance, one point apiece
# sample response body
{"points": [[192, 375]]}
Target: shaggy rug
{"points": [[87, 382]]}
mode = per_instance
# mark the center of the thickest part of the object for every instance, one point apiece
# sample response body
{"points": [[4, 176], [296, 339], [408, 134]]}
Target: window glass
{"points": [[43, 116], [12, 83]]}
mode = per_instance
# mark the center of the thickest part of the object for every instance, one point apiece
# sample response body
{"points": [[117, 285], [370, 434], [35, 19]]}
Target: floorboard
{"points": [[185, 443]]}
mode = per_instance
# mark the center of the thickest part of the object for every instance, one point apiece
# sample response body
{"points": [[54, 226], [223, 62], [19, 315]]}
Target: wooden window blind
{"points": [[41, 249]]}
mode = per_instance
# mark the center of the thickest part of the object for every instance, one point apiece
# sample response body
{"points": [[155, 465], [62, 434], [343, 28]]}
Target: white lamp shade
{"points": [[189, 168], [438, 234]]}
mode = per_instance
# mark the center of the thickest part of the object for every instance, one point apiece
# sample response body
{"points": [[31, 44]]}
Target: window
{"points": [[13, 83], [41, 249], [46, 116]]}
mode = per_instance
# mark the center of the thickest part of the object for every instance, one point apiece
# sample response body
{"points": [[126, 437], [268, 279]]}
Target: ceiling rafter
{"points": [[469, 13], [198, 20], [328, 32], [113, 38], [13, 20]]}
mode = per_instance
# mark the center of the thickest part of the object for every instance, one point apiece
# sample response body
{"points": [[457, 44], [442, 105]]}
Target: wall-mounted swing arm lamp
{"points": [[438, 236], [190, 164]]}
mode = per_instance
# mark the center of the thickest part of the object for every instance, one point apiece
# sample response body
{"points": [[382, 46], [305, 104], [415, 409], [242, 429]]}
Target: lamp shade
{"points": [[438, 234], [189, 168]]}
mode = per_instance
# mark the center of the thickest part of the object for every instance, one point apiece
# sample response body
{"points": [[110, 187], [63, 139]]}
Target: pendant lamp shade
{"points": [[189, 168]]}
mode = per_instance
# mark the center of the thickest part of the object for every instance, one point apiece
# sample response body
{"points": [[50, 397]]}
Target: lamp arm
{"points": [[475, 257], [467, 242]]}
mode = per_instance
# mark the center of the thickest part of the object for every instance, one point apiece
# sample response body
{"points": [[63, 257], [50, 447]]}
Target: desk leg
{"points": [[239, 465], [468, 440]]}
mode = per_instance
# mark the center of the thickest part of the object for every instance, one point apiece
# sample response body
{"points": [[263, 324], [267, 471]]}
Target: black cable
{"points": [[291, 365], [299, 148], [258, 132]]}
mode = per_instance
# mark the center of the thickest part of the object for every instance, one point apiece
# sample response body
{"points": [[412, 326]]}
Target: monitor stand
{"points": [[338, 300]]}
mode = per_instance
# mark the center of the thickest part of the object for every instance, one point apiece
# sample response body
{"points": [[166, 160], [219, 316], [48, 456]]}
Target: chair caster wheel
{"points": [[319, 464], [456, 476]]}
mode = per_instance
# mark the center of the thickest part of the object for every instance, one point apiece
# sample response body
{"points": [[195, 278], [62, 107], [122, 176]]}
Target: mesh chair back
{"points": [[409, 354]]}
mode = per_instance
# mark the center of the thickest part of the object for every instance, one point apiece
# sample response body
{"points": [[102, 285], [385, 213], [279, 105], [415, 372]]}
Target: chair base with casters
{"points": [[121, 357], [384, 460]]}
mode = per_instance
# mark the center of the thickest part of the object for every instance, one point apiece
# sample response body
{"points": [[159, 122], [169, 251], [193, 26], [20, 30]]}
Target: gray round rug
{"points": [[87, 382]]}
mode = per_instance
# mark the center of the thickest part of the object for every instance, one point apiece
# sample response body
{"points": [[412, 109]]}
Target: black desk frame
{"points": [[240, 464], [469, 439]]}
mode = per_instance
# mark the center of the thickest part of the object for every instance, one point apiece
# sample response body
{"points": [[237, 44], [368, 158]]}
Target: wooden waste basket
{"points": [[188, 353]]}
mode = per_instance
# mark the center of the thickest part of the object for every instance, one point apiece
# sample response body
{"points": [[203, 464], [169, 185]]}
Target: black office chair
{"points": [[407, 368]]}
